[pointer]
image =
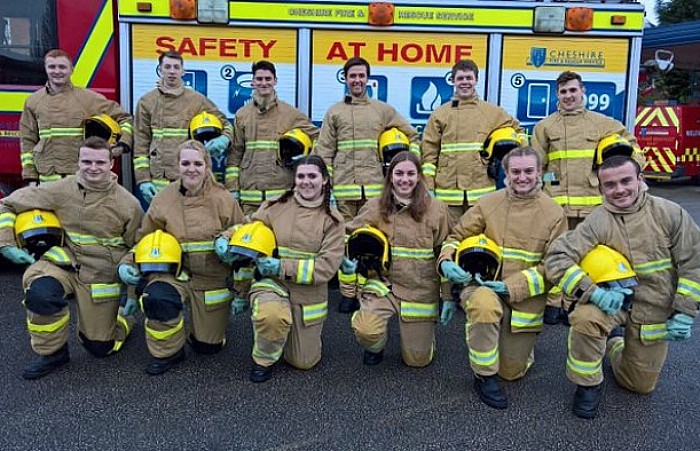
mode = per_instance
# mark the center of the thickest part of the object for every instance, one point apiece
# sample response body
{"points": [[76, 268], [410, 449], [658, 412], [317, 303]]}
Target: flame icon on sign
{"points": [[430, 100]]}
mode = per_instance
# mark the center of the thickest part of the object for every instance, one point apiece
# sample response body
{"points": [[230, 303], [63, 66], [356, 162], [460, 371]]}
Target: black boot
{"points": [[551, 315], [160, 366], [45, 364], [348, 305], [260, 373], [372, 358], [489, 391], [586, 401]]}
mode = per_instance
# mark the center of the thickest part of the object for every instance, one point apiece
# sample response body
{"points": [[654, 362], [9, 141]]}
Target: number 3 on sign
{"points": [[597, 102]]}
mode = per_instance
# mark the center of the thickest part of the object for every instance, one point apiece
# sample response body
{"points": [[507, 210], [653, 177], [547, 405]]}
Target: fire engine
{"points": [[670, 138], [520, 47]]}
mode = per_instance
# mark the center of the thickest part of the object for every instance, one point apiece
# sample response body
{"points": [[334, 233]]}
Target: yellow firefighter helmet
{"points": [[479, 255], [37, 231], [253, 240], [293, 145], [609, 268], [158, 251], [391, 142], [103, 126], [500, 142], [370, 248], [205, 127], [609, 146]]}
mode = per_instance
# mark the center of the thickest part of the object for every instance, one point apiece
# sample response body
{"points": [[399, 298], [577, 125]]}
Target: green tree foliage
{"points": [[677, 11]]}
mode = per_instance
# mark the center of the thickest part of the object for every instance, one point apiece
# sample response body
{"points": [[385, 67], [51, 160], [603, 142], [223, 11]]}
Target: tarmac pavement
{"points": [[207, 402]]}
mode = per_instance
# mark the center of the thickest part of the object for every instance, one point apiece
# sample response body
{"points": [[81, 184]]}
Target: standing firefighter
{"points": [[163, 120], [568, 140], [349, 142], [267, 129], [54, 118], [453, 142], [659, 241], [405, 226], [511, 228], [176, 259], [100, 219], [290, 298]]}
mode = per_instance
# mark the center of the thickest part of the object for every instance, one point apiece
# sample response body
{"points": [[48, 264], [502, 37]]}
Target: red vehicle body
{"points": [[28, 29], [670, 138]]}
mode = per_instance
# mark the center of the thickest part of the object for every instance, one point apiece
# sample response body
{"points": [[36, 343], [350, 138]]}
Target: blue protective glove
{"points": [[609, 300], [236, 195], [221, 250], [679, 327], [238, 305], [218, 145], [130, 275], [269, 266], [431, 192], [148, 191], [496, 286], [448, 311], [130, 307], [16, 255], [348, 266], [333, 201], [454, 273]]}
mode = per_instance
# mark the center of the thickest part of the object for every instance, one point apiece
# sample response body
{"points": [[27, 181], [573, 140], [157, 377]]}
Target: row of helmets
{"points": [[295, 144], [37, 231]]}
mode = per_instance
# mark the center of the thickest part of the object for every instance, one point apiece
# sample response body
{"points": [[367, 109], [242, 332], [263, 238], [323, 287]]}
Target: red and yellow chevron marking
{"points": [[660, 160], [690, 154], [657, 116]]}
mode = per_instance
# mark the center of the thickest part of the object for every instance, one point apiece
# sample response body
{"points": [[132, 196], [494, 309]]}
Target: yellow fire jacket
{"points": [[163, 118], [195, 221], [414, 245], [452, 140], [252, 165], [568, 141], [523, 227], [348, 144], [100, 225], [52, 129], [659, 239], [310, 245]]}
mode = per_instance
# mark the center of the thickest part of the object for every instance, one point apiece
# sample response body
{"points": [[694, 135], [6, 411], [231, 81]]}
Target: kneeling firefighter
{"points": [[504, 238], [289, 298], [73, 260], [185, 217], [391, 142], [615, 280], [393, 244]]}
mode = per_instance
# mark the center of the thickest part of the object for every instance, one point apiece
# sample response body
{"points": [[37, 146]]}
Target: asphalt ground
{"points": [[207, 402]]}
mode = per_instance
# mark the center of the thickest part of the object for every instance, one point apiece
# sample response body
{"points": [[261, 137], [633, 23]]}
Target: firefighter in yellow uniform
{"points": [[504, 315], [408, 224], [52, 123], [100, 219], [163, 117], [453, 140], [194, 211], [567, 140], [290, 299], [254, 172], [349, 138], [348, 143], [660, 240]]}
